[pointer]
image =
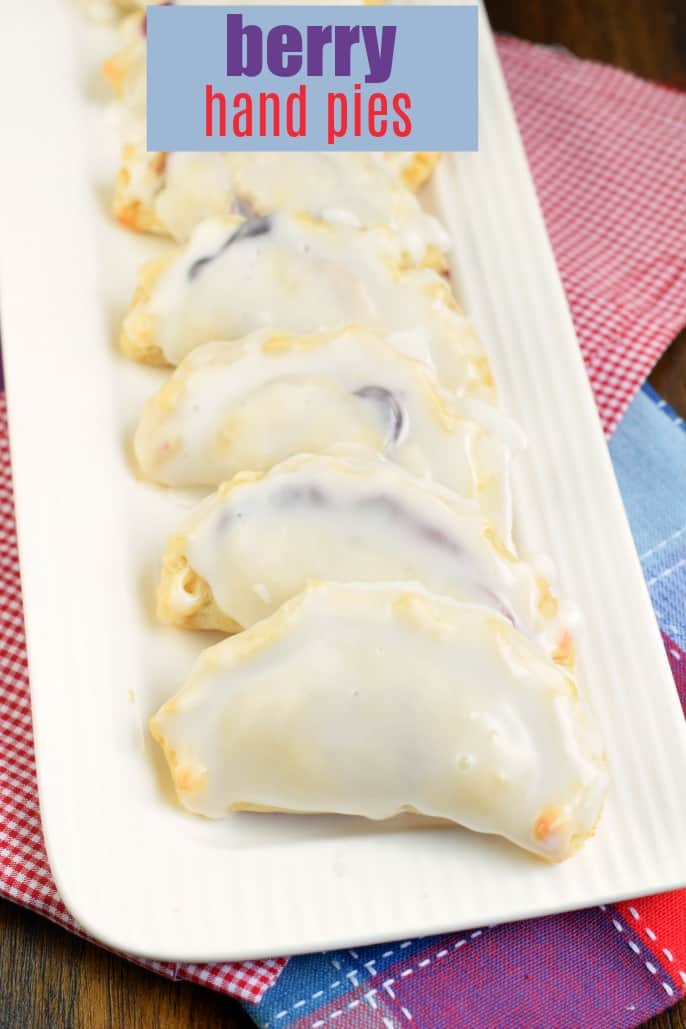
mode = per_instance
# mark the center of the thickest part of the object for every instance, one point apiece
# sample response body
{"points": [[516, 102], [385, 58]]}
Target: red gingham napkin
{"points": [[608, 154]]}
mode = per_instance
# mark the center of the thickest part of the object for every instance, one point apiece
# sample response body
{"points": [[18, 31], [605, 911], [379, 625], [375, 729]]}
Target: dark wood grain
{"points": [[669, 375], [49, 978], [647, 37]]}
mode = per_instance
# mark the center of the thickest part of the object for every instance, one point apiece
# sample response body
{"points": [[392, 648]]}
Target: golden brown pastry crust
{"points": [[116, 68], [130, 211], [417, 171], [136, 338], [139, 214], [202, 612]]}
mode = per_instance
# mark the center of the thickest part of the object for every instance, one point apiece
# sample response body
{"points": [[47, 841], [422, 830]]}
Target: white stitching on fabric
{"points": [[659, 546], [387, 985], [352, 975], [369, 997], [667, 627], [653, 936], [637, 950], [666, 572]]}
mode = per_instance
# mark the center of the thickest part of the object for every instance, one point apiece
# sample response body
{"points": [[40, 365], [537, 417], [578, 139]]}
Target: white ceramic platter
{"points": [[135, 870]]}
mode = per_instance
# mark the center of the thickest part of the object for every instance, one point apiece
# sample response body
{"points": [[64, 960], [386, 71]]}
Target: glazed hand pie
{"points": [[374, 700], [172, 193], [250, 403], [235, 276], [260, 539]]}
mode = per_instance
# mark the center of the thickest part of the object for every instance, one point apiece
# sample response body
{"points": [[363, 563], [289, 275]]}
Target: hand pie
{"points": [[261, 538], [302, 275], [172, 193], [373, 700], [248, 404]]}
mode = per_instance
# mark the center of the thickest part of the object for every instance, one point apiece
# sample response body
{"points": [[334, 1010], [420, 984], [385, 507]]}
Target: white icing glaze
{"points": [[371, 700], [248, 404], [356, 189], [305, 276], [193, 187], [259, 540]]}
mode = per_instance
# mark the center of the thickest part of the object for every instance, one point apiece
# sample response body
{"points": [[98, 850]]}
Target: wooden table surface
{"points": [[49, 978]]}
